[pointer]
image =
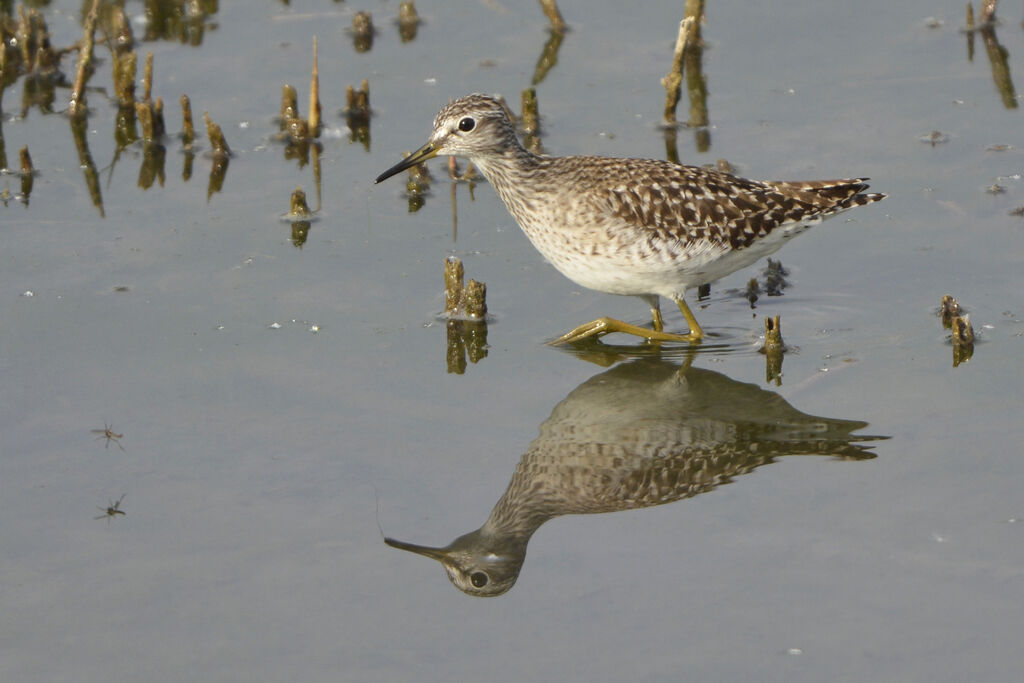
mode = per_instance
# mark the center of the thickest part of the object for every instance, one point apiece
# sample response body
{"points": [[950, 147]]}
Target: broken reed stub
{"points": [[188, 134], [289, 102], [216, 136], [25, 161], [300, 208], [453, 278], [963, 332], [469, 301], [475, 299], [314, 95], [408, 21], [949, 309], [773, 343], [530, 121]]}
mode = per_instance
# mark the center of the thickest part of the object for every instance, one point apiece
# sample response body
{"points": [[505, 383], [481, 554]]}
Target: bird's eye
{"points": [[478, 579], [467, 124]]}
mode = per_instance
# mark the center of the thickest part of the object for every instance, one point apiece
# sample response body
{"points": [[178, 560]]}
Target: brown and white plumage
{"points": [[637, 227], [644, 433]]}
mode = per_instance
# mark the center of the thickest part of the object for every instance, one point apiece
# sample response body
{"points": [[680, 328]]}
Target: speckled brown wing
{"points": [[691, 204]]}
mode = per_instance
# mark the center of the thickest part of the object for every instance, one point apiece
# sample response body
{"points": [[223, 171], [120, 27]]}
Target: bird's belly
{"points": [[638, 267]]}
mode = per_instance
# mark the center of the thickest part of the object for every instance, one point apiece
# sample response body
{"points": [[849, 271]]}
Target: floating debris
{"points": [[995, 189], [112, 510], [109, 434], [936, 137]]}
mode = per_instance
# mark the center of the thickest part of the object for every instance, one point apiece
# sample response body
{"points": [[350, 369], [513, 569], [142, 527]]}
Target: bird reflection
{"points": [[644, 433]]}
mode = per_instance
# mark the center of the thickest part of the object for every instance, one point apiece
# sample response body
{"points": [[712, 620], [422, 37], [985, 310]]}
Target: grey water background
{"points": [[260, 455]]}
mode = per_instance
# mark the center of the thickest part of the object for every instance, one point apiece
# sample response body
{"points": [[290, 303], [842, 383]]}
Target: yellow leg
{"points": [[695, 331], [659, 324], [603, 326]]}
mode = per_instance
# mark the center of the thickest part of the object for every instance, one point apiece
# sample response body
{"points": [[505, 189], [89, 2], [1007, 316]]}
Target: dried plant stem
{"points": [[314, 95], [188, 135], [674, 77], [77, 105], [550, 8], [453, 278], [147, 78]]}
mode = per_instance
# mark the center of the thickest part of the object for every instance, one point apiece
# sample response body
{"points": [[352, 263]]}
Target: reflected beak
{"points": [[425, 152], [436, 553]]}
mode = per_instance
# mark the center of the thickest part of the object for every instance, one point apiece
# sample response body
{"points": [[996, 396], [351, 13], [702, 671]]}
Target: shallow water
{"points": [[279, 403]]}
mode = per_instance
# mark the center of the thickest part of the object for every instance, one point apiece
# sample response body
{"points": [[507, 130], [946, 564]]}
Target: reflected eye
{"points": [[478, 579], [465, 125]]}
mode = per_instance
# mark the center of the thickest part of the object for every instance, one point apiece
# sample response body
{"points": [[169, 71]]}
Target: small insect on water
{"points": [[109, 434], [112, 510]]}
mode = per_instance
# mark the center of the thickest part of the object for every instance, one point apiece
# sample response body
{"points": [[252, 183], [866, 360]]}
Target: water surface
{"points": [[277, 402]]}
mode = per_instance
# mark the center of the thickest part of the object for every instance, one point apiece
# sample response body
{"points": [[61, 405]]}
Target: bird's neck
{"points": [[509, 171], [516, 174]]}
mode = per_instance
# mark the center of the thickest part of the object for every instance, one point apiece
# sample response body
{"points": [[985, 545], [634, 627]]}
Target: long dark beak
{"points": [[436, 553], [425, 152]]}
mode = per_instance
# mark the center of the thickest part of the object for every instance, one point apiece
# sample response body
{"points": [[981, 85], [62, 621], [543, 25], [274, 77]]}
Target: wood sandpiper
{"points": [[645, 433], [640, 227]]}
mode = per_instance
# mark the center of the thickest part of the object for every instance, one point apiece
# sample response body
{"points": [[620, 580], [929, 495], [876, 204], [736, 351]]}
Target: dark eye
{"points": [[478, 579], [466, 125]]}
